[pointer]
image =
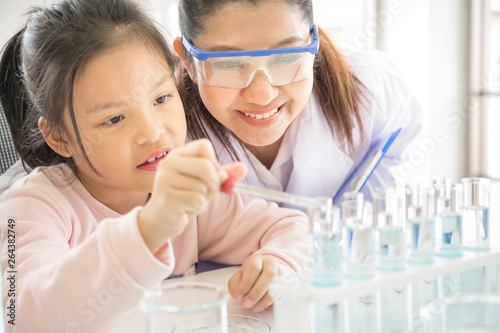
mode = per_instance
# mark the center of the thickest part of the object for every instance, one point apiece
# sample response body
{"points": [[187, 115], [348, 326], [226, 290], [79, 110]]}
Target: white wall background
{"points": [[428, 41]]}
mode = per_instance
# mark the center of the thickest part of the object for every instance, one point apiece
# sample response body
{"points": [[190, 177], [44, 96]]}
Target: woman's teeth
{"points": [[157, 157], [261, 116]]}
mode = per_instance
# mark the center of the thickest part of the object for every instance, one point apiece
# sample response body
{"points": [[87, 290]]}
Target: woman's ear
{"points": [[54, 138], [180, 52]]}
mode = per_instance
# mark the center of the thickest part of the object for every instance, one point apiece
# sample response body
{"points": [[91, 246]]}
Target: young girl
{"points": [[274, 92], [115, 202]]}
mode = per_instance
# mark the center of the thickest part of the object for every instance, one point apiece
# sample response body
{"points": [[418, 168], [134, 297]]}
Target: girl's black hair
{"points": [[340, 92], [40, 62]]}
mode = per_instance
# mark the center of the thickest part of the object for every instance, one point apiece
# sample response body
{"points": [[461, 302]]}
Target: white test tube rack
{"points": [[293, 295]]}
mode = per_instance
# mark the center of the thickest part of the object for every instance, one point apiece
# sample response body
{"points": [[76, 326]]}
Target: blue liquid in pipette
{"points": [[475, 228], [448, 230]]}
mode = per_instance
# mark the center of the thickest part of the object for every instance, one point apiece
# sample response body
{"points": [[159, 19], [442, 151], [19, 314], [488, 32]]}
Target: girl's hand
{"points": [[250, 284], [185, 181]]}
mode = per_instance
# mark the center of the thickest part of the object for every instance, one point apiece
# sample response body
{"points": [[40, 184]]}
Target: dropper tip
{"points": [[227, 186]]}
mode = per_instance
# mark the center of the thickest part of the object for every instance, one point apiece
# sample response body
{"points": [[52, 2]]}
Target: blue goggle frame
{"points": [[201, 55]]}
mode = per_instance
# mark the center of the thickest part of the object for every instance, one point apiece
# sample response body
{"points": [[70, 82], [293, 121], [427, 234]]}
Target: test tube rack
{"points": [[293, 294]]}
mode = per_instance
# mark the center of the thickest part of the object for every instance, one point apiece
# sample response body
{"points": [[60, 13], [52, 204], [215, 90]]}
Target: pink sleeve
{"points": [[87, 287], [236, 226]]}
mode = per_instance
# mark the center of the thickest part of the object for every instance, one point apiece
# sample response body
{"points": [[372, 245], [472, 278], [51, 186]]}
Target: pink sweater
{"points": [[81, 267]]}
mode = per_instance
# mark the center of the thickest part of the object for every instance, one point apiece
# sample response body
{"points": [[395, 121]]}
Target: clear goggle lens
{"points": [[238, 72]]}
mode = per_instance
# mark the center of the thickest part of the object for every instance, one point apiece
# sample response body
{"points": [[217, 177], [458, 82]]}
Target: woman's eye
{"points": [[161, 99], [227, 65], [113, 120], [285, 59]]}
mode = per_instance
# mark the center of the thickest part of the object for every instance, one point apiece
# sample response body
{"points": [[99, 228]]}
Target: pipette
{"points": [[230, 185], [325, 269]]}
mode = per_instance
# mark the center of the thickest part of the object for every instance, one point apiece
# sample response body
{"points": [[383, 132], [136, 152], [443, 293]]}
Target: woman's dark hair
{"points": [[40, 62], [339, 91]]}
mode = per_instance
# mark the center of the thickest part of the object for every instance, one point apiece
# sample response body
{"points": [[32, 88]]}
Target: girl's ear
{"points": [[54, 138], [180, 52]]}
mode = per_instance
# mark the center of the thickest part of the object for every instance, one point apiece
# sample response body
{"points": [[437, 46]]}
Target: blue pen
{"points": [[367, 171]]}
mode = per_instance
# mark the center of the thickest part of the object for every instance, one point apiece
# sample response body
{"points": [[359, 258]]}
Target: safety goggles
{"points": [[236, 69]]}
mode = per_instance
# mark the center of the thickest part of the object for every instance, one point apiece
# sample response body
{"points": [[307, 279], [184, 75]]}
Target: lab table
{"points": [[137, 323]]}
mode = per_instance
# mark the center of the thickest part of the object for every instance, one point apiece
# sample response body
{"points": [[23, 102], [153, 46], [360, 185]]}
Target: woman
{"points": [[274, 92]]}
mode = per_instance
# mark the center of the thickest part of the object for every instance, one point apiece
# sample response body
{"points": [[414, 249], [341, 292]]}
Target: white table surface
{"points": [[136, 322]]}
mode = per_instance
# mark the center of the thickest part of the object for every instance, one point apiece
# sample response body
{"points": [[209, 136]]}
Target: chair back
{"points": [[8, 153]]}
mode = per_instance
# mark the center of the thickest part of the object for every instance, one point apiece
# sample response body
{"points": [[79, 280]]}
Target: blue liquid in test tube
{"points": [[389, 236], [326, 270], [448, 235], [324, 244], [357, 236], [475, 214], [448, 225], [420, 226], [475, 222]]}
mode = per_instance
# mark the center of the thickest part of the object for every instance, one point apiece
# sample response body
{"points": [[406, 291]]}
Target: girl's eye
{"points": [[161, 99], [113, 120]]}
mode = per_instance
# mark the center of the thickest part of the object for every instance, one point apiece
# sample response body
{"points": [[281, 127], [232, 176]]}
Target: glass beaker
{"points": [[475, 214], [448, 224], [357, 238], [389, 237], [420, 225], [177, 302], [235, 324]]}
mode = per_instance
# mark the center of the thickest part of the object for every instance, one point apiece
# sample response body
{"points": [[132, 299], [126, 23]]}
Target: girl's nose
{"points": [[149, 129], [260, 91]]}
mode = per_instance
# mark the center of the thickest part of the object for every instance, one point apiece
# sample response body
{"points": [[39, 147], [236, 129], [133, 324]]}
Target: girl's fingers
{"points": [[180, 202], [260, 286], [198, 148], [233, 283], [234, 173], [176, 169], [183, 182], [263, 303], [250, 272], [237, 170]]}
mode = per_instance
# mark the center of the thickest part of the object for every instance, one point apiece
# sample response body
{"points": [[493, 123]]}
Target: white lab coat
{"points": [[311, 160]]}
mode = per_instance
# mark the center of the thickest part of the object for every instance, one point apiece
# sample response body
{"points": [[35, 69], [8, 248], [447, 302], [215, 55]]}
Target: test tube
{"points": [[325, 254], [475, 214], [324, 243], [475, 225], [420, 225], [388, 211], [357, 226], [448, 225], [389, 237]]}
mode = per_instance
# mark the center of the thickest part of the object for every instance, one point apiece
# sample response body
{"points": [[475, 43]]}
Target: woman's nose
{"points": [[260, 91], [149, 129]]}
